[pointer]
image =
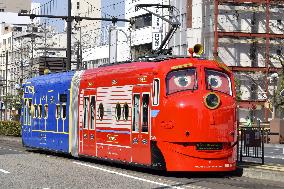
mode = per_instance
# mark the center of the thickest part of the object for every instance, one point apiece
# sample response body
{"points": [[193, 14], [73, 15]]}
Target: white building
{"points": [[146, 26]]}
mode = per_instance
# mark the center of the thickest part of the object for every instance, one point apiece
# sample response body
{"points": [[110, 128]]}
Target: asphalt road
{"points": [[36, 169]]}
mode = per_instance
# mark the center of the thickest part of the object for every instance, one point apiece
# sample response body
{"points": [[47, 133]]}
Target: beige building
{"points": [[15, 5], [89, 28]]}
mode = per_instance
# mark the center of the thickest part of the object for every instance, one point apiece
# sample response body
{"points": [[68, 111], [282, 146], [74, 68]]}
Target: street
{"points": [[20, 168]]}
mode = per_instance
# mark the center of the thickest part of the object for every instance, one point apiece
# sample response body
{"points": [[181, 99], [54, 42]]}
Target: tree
{"points": [[277, 99]]}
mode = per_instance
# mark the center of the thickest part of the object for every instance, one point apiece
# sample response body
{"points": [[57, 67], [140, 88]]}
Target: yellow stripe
{"points": [[42, 131]]}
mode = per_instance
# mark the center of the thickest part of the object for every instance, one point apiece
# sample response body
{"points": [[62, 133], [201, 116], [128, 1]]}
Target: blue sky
{"points": [[107, 10], [60, 9]]}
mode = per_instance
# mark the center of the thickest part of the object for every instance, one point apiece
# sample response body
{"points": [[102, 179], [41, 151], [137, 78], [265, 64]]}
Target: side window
{"points": [[39, 111], [25, 111], [136, 110], [118, 111], [29, 111], [101, 111], [92, 112], [145, 111], [156, 92], [86, 105], [63, 113], [45, 112], [35, 112], [57, 111], [125, 111]]}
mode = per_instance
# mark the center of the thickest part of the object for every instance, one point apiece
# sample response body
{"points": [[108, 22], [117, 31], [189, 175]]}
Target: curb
{"points": [[264, 173], [11, 138]]}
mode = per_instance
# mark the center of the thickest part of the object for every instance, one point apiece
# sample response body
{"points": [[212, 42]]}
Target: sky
{"points": [[60, 9]]}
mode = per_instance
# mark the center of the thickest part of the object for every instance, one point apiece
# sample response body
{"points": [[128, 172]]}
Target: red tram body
{"points": [[178, 114]]}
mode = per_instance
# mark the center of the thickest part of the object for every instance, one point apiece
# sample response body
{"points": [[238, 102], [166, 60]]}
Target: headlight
{"points": [[212, 100]]}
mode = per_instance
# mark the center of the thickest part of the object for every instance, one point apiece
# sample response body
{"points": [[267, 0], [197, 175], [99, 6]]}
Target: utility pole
{"points": [[69, 20], [6, 82], [69, 33], [32, 59], [45, 46]]}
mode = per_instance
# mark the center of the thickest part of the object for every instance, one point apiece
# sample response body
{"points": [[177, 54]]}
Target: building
{"points": [[146, 26], [246, 35], [15, 6]]}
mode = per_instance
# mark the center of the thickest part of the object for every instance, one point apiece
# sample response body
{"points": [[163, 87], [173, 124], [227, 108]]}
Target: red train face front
{"points": [[196, 125]]}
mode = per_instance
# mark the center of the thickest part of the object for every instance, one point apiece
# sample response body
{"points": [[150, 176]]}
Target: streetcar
{"points": [[170, 113]]}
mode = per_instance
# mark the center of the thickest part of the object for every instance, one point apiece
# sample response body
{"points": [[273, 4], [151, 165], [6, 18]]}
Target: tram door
{"points": [[141, 125], [88, 129]]}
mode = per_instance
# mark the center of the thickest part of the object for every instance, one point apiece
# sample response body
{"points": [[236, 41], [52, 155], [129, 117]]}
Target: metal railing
{"points": [[251, 143]]}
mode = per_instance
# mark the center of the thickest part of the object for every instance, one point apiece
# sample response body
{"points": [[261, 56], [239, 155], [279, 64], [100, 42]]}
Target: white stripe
{"points": [[125, 175], [6, 172]]}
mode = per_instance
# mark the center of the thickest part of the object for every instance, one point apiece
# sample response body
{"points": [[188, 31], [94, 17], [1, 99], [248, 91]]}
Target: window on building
{"points": [[143, 21], [78, 5], [2, 10]]}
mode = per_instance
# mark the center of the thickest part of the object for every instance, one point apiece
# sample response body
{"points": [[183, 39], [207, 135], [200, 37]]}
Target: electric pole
{"points": [[69, 20], [69, 33], [6, 82]]}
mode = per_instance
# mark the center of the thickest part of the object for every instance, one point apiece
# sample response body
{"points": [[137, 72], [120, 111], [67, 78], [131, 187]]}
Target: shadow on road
{"points": [[138, 168]]}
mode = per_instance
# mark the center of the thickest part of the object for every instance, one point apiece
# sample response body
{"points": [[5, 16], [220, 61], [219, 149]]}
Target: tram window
{"points": [[39, 111], [25, 111], [218, 81], [63, 113], [86, 105], [118, 111], [125, 111], [35, 112], [181, 80], [57, 111], [145, 110], [136, 112], [29, 111], [101, 111], [92, 112], [156, 91], [45, 112]]}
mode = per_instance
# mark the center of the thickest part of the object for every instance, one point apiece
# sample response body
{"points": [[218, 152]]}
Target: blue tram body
{"points": [[45, 113]]}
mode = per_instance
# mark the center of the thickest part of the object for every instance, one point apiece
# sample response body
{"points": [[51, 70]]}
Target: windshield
{"points": [[218, 81], [181, 80]]}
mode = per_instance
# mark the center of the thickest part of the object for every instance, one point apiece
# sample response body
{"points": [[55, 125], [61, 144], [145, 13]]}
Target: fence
{"points": [[251, 143]]}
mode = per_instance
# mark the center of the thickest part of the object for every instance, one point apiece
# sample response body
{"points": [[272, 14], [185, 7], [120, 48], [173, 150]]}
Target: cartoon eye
{"points": [[214, 81], [182, 81]]}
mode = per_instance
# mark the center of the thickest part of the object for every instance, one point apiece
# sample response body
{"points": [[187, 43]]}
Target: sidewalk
{"points": [[272, 172]]}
